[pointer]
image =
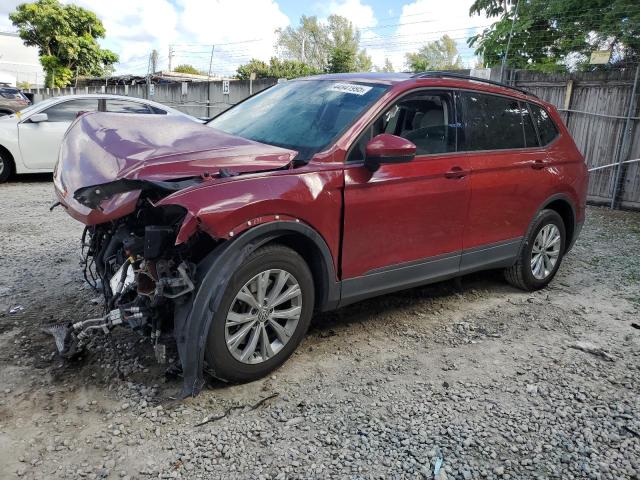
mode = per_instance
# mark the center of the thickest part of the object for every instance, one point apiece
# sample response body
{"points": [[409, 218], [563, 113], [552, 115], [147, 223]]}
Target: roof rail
{"points": [[444, 74]]}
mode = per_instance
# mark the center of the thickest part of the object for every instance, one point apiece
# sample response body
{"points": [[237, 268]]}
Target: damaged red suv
{"points": [[306, 197]]}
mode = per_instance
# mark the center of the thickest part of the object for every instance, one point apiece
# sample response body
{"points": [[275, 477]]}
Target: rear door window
{"points": [[530, 136], [69, 110], [126, 106], [490, 122], [547, 130]]}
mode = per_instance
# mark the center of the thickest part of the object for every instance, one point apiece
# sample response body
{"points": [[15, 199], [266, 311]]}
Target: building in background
{"points": [[19, 64]]}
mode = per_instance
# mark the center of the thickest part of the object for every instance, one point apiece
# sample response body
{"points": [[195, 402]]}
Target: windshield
{"points": [[33, 106], [303, 115]]}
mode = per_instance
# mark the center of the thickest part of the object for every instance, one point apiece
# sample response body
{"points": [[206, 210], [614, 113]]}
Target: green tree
{"points": [[387, 67], [276, 68], [324, 46], [186, 68], [66, 36], [341, 60], [439, 55], [552, 35], [260, 68], [290, 69], [363, 62]]}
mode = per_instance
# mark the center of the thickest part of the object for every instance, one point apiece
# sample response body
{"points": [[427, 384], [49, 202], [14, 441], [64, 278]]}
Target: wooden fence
{"points": [[200, 99], [595, 106]]}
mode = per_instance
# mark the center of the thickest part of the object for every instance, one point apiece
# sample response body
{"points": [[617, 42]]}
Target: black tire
{"points": [[219, 359], [6, 167], [520, 275]]}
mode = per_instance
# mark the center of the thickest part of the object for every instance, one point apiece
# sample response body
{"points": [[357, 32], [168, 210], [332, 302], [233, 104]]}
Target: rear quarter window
{"points": [[547, 130]]}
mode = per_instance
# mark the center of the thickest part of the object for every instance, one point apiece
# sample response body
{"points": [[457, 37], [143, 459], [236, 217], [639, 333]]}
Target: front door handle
{"points": [[456, 172]]}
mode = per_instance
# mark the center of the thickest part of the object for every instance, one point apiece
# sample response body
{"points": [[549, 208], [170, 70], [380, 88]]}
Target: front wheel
{"points": [[541, 253], [263, 316], [5, 167]]}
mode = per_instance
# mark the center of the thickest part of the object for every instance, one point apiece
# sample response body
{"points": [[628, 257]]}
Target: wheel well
{"points": [[7, 154], [311, 254], [563, 208]]}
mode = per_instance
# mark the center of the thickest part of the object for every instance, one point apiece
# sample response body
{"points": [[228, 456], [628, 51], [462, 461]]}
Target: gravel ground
{"points": [[492, 382]]}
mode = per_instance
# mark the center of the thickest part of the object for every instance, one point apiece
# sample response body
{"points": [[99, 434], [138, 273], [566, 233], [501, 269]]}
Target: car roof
{"points": [[114, 97], [105, 95], [385, 78], [435, 78]]}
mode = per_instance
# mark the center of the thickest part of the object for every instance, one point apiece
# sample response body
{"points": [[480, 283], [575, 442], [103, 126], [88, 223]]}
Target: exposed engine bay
{"points": [[134, 263]]}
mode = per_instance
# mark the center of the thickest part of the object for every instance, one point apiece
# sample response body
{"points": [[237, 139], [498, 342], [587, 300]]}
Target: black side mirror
{"points": [[386, 148]]}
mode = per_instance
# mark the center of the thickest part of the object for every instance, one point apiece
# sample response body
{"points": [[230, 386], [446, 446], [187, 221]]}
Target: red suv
{"points": [[308, 196]]}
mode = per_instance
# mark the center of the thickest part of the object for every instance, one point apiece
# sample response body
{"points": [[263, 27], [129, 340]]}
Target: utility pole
{"points": [[154, 60], [209, 83], [210, 63], [170, 56], [506, 53], [302, 51], [149, 74]]}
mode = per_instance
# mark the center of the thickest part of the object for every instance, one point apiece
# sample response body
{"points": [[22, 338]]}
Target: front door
{"points": [[403, 224], [40, 142]]}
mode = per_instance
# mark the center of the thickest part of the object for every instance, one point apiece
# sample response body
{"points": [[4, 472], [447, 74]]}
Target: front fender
{"points": [[193, 319], [223, 209]]}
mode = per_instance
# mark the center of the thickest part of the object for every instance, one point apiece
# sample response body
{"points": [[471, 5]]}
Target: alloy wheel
{"points": [[263, 316], [546, 251]]}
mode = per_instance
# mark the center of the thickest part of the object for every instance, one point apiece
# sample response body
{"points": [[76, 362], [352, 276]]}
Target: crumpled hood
{"points": [[100, 148]]}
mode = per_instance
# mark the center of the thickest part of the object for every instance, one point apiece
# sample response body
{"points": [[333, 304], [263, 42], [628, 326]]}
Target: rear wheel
{"points": [[6, 167], [264, 314], [541, 253]]}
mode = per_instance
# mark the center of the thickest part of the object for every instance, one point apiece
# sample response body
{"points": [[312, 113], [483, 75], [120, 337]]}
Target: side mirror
{"points": [[386, 148], [38, 117]]}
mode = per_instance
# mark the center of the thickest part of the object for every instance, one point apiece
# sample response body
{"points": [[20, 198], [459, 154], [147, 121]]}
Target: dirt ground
{"points": [[486, 380]]}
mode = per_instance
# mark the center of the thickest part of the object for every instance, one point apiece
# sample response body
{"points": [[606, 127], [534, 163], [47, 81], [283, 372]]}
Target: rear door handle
{"points": [[538, 164], [456, 172]]}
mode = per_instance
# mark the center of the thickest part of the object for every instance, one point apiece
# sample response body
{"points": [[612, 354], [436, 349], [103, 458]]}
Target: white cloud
{"points": [[135, 28], [242, 29], [6, 7], [226, 23], [424, 21], [359, 14]]}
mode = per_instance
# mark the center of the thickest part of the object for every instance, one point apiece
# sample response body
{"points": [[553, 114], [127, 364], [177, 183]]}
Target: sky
{"points": [[244, 29]]}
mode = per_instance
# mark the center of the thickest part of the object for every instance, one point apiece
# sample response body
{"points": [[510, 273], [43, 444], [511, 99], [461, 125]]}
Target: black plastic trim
{"points": [[400, 277], [497, 255]]}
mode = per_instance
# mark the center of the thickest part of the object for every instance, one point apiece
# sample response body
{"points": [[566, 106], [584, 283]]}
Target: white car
{"points": [[30, 139]]}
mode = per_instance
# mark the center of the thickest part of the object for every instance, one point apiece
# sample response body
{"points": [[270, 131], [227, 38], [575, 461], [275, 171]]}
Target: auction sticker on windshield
{"points": [[349, 88]]}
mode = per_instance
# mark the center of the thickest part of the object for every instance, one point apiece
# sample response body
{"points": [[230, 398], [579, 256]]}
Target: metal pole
{"points": [[210, 63], [624, 144], [506, 53], [148, 76], [209, 83]]}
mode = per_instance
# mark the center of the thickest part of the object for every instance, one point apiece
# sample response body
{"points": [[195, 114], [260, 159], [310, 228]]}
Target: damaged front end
{"points": [[135, 264], [140, 185]]}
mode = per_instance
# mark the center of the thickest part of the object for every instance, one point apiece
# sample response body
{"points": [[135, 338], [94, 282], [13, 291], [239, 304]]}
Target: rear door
{"points": [[40, 142], [403, 224], [507, 180]]}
